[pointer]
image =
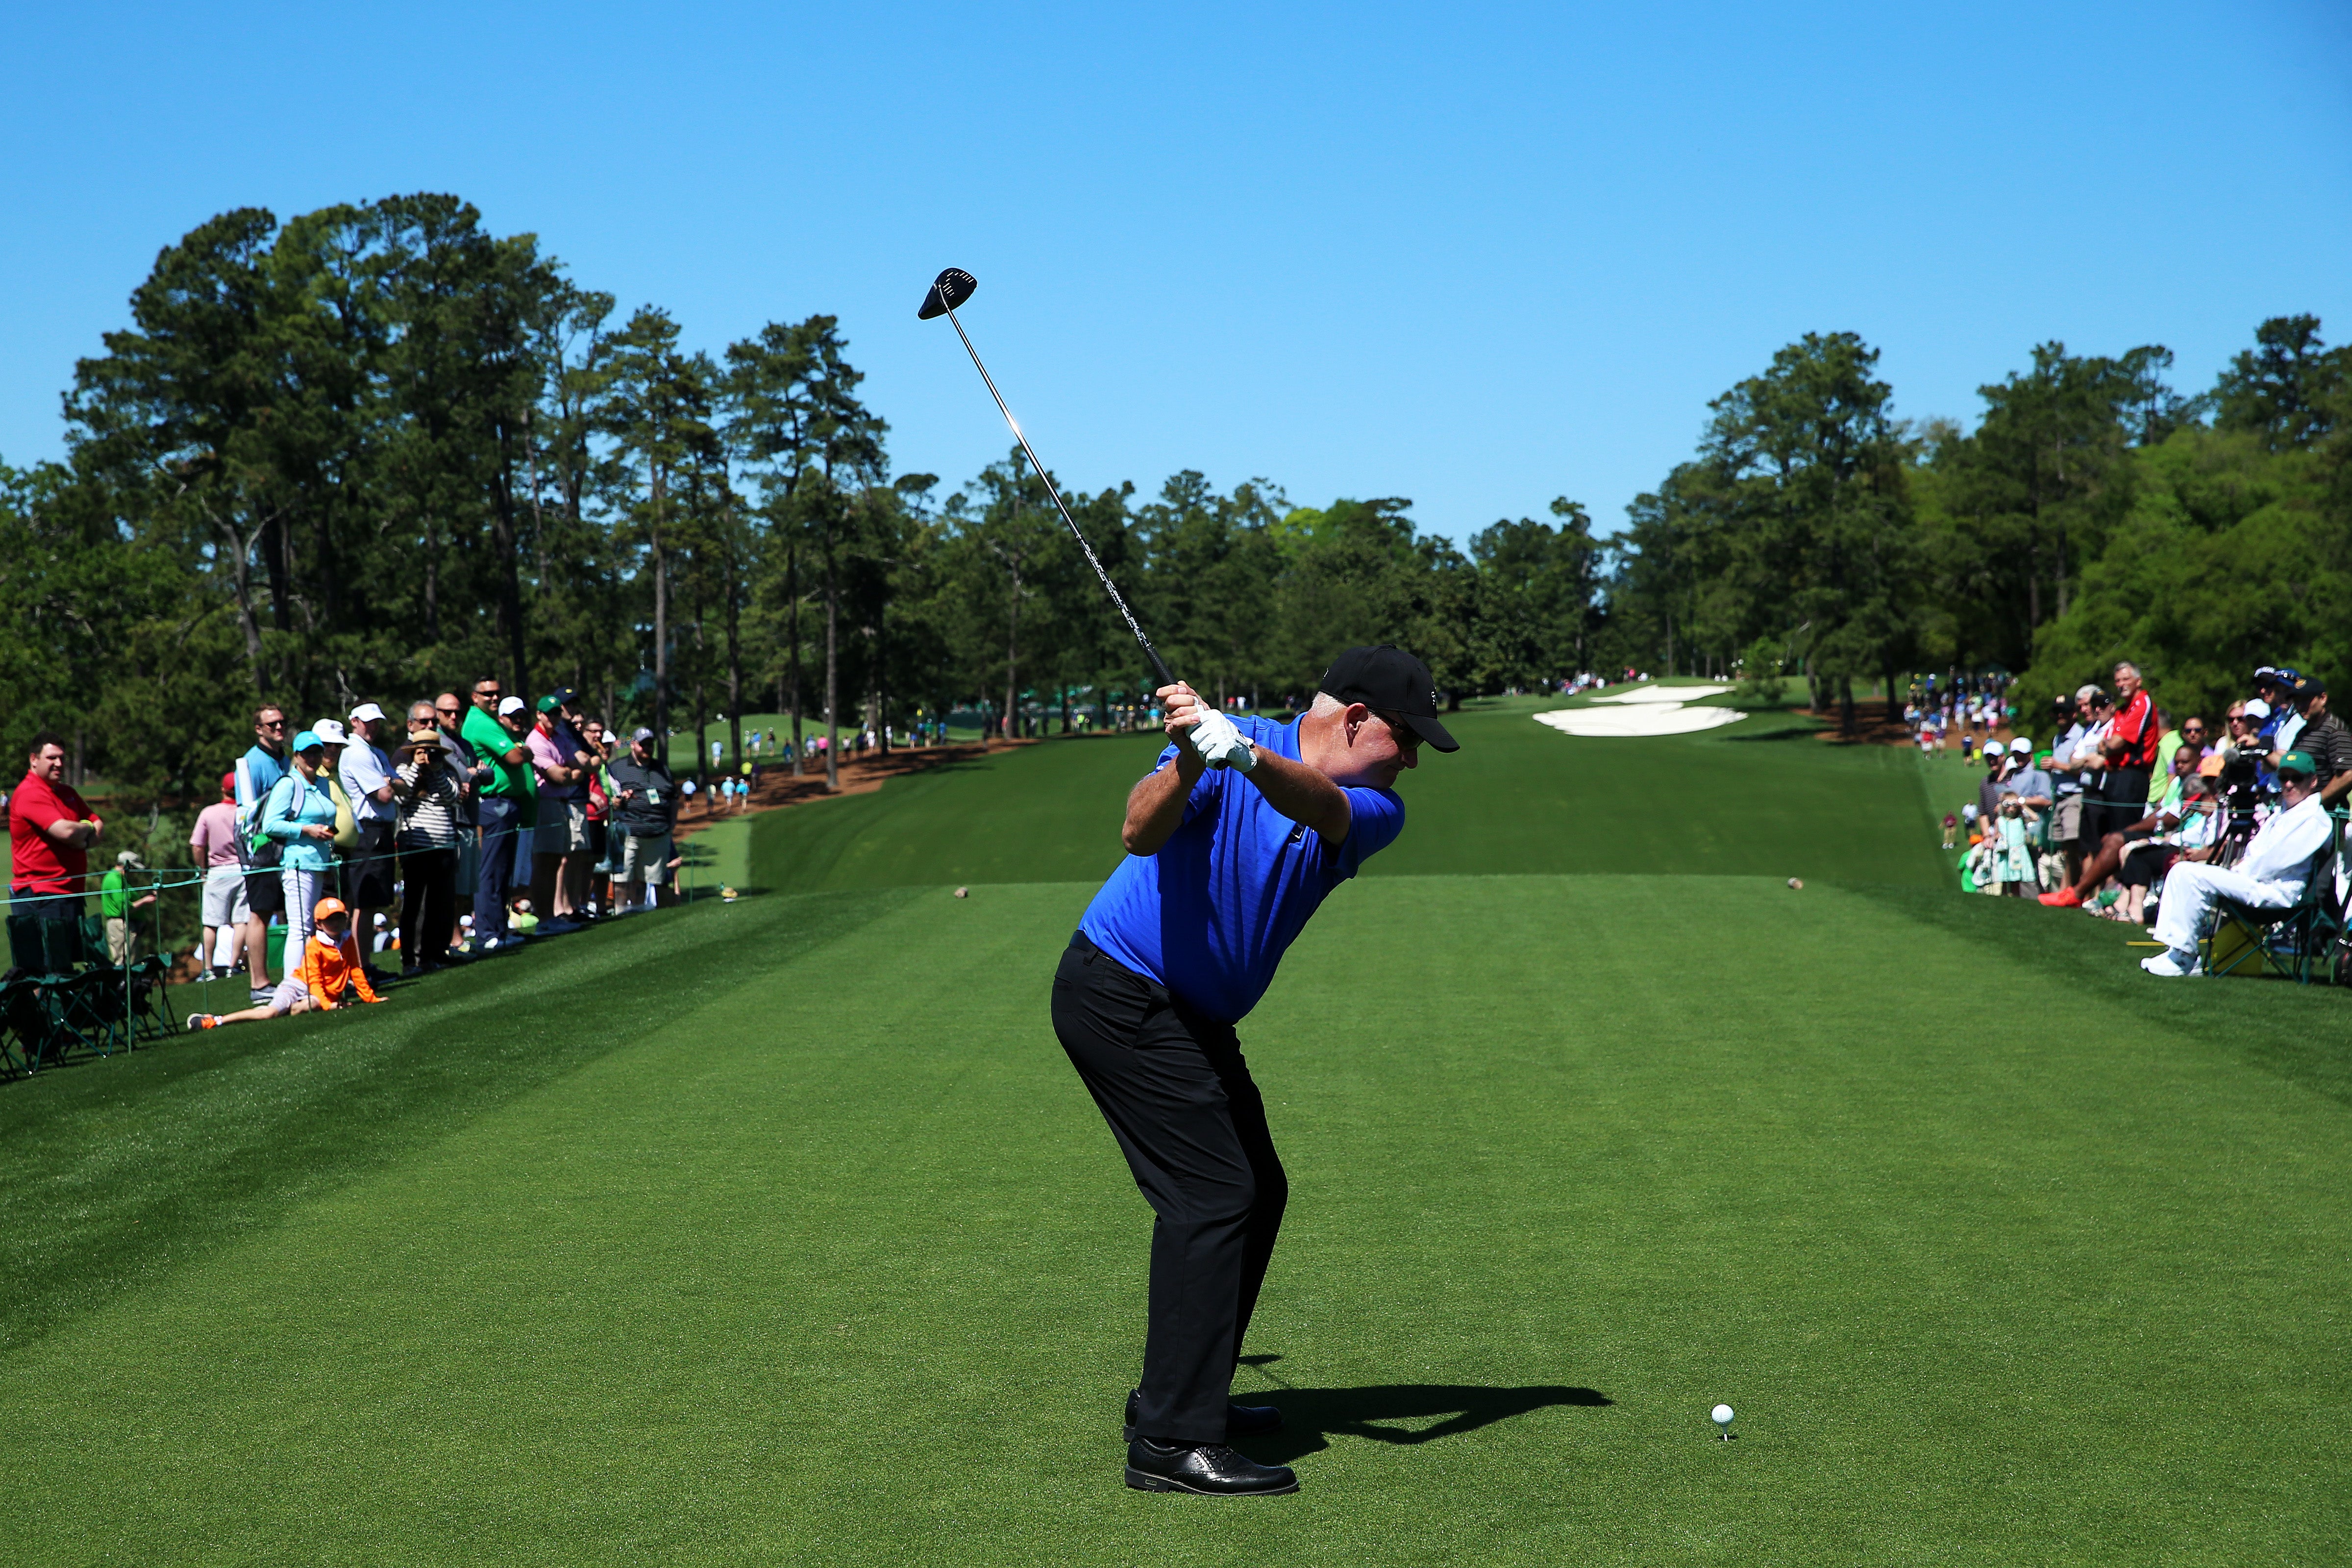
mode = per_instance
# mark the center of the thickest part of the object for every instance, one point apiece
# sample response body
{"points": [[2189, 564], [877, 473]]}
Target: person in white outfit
{"points": [[2270, 875]]}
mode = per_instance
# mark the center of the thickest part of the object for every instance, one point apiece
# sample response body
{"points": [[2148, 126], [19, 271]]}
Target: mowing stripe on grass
{"points": [[117, 1170], [1762, 797], [1573, 1158]]}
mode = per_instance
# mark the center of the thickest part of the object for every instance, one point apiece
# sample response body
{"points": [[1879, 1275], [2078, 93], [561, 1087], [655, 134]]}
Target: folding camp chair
{"points": [[2241, 939], [150, 999], [41, 1012], [23, 1030], [96, 1002]]}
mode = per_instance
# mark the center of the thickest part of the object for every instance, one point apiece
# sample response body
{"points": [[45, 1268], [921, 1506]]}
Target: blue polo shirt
{"points": [[1211, 915]]}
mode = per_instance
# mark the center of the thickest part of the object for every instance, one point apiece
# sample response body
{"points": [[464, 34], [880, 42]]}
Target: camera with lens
{"points": [[2240, 786]]}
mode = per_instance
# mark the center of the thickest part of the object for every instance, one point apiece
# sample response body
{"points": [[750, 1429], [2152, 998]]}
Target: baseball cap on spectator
{"points": [[549, 703], [512, 705], [129, 860], [2264, 672], [228, 785], [562, 696], [2211, 767], [2299, 763], [330, 734], [367, 713], [1994, 749], [308, 741], [640, 736], [2257, 708], [2307, 687]]}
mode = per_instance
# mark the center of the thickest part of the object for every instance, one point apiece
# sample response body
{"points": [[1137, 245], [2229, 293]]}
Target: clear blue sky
{"points": [[1478, 255]]}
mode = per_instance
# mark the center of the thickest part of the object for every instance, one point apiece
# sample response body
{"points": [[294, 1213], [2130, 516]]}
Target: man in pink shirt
{"points": [[212, 845], [559, 880]]}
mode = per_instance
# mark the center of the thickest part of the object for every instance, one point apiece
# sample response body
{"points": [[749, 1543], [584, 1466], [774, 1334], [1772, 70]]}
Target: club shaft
{"points": [[1158, 664]]}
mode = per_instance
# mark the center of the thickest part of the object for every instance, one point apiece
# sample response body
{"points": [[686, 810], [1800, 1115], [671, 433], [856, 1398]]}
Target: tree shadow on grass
{"points": [[1401, 1413]]}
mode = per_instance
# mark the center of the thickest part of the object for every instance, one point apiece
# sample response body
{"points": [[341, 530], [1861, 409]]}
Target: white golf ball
{"points": [[1721, 1414]]}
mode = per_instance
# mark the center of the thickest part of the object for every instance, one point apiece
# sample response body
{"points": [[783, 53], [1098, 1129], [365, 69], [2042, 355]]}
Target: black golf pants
{"points": [[1180, 1100]]}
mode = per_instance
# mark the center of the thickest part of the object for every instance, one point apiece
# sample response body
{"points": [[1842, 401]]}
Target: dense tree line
{"points": [[2094, 514], [376, 450]]}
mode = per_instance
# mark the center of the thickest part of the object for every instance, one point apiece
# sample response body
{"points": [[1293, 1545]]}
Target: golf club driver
{"points": [[950, 289]]}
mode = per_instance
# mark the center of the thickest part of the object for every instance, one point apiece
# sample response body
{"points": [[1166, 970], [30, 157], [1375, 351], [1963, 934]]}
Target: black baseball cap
{"points": [[1391, 680]]}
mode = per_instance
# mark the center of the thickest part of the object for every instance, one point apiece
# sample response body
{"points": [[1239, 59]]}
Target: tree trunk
{"points": [[503, 543], [1846, 704], [1012, 661], [832, 672], [882, 671], [273, 556], [432, 589], [241, 586], [792, 636], [734, 676], [2032, 583], [661, 616]]}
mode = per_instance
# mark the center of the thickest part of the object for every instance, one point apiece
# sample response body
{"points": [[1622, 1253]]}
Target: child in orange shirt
{"points": [[331, 973]]}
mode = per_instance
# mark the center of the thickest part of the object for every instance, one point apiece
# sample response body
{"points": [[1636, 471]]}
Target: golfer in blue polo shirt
{"points": [[1234, 840]]}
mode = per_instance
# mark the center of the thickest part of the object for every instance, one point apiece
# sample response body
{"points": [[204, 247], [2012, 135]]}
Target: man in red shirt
{"points": [[50, 830], [2130, 748]]}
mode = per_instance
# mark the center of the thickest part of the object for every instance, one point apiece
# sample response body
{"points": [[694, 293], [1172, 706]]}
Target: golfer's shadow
{"points": [[1401, 1413]]}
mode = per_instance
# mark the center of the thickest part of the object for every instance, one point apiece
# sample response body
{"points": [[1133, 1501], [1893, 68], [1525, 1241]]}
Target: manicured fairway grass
{"points": [[1758, 797], [624, 1251]]}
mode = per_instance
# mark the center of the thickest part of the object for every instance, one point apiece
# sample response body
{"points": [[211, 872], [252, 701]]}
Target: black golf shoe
{"points": [[1240, 1420], [1205, 1470]]}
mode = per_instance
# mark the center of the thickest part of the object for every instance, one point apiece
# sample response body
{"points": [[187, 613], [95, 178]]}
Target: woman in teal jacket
{"points": [[300, 813]]}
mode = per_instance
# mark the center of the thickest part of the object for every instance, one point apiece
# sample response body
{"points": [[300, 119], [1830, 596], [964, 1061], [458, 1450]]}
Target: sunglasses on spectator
{"points": [[271, 724]]}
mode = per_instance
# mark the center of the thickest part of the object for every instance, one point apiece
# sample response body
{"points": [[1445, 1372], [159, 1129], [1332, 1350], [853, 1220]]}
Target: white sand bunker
{"points": [[1645, 711], [1666, 694]]}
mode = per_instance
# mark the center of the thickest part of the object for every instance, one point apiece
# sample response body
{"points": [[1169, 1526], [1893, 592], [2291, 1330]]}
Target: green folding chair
{"points": [[42, 1013], [150, 998], [2299, 940], [96, 998]]}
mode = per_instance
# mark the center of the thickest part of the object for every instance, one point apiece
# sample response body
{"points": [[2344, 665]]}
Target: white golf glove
{"points": [[1220, 744]]}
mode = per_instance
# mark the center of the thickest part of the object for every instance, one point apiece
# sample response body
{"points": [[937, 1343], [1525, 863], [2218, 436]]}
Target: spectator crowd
{"points": [[440, 837], [2134, 815]]}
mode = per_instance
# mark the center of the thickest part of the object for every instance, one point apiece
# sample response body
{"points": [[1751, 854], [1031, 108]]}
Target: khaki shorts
{"points": [[224, 903], [2069, 825], [562, 827], [647, 859]]}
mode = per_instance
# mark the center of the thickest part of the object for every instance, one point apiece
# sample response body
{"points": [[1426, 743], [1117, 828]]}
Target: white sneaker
{"points": [[2168, 966]]}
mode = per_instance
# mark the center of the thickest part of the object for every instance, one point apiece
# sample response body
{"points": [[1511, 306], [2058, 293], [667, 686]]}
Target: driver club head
{"points": [[949, 289]]}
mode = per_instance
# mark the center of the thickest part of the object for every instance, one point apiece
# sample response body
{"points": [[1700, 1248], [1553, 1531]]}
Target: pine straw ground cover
{"points": [[780, 1231]]}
